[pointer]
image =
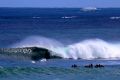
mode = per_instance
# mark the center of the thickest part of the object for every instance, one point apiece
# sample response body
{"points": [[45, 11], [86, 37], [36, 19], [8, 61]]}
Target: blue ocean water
{"points": [[71, 32], [65, 25]]}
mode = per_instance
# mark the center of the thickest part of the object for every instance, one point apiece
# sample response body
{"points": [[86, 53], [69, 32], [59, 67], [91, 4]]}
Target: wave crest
{"points": [[43, 42], [94, 48], [87, 49]]}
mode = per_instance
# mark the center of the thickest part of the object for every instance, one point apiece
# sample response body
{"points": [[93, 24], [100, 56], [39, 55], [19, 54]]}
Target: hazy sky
{"points": [[59, 3]]}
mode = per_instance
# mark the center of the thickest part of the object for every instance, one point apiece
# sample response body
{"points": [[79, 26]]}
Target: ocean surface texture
{"points": [[79, 35]]}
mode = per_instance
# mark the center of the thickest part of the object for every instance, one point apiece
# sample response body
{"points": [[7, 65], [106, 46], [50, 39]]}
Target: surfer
{"points": [[89, 66], [98, 66], [74, 66]]}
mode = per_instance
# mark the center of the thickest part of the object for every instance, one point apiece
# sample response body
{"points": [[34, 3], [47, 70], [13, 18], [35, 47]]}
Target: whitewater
{"points": [[86, 49]]}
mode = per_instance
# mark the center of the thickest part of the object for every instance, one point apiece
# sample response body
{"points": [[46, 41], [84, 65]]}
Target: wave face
{"points": [[42, 42], [94, 48], [87, 49]]}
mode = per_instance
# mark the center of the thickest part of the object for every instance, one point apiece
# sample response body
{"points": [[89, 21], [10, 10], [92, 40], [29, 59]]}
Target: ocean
{"points": [[78, 35]]}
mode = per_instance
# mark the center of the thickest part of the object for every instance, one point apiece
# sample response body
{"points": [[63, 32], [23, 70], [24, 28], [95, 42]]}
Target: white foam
{"points": [[87, 49], [115, 17], [89, 9], [94, 48], [35, 17], [33, 62], [68, 17], [43, 42], [43, 60]]}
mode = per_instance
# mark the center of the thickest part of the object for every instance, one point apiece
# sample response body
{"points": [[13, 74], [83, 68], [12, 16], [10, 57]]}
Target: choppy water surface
{"points": [[59, 70], [72, 33]]}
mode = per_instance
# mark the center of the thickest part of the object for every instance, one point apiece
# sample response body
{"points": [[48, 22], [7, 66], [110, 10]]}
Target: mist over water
{"points": [[94, 48], [42, 42], [86, 49]]}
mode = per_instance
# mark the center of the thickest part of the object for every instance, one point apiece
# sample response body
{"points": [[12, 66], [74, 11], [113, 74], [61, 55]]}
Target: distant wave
{"points": [[68, 17], [35, 17], [87, 49], [63, 17], [115, 17], [89, 9]]}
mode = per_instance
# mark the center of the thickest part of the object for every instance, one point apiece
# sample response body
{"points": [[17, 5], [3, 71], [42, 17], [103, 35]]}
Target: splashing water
{"points": [[39, 41], [87, 49], [94, 48]]}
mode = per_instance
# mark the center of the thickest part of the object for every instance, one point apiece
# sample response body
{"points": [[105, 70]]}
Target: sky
{"points": [[59, 3]]}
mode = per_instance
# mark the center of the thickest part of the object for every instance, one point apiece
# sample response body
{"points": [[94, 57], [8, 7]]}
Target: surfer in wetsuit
{"points": [[74, 66]]}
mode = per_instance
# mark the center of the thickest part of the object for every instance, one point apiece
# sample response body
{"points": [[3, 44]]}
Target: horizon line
{"points": [[59, 7]]}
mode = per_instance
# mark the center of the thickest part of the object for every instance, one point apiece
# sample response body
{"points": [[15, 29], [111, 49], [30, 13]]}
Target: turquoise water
{"points": [[54, 73], [59, 69]]}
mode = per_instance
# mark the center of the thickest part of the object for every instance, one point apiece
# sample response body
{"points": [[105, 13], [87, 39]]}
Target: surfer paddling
{"points": [[96, 66]]}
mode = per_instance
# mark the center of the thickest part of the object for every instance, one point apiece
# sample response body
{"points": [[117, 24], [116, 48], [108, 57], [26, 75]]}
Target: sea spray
{"points": [[56, 47], [87, 49], [94, 48]]}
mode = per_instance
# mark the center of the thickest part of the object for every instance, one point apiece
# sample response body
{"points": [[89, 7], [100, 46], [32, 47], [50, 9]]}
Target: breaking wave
{"points": [[87, 49], [115, 17], [36, 17], [94, 48], [43, 42], [68, 17], [89, 9]]}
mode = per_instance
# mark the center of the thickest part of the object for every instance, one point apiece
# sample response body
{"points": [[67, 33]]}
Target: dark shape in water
{"points": [[89, 66], [32, 53], [74, 66], [98, 66], [39, 53]]}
